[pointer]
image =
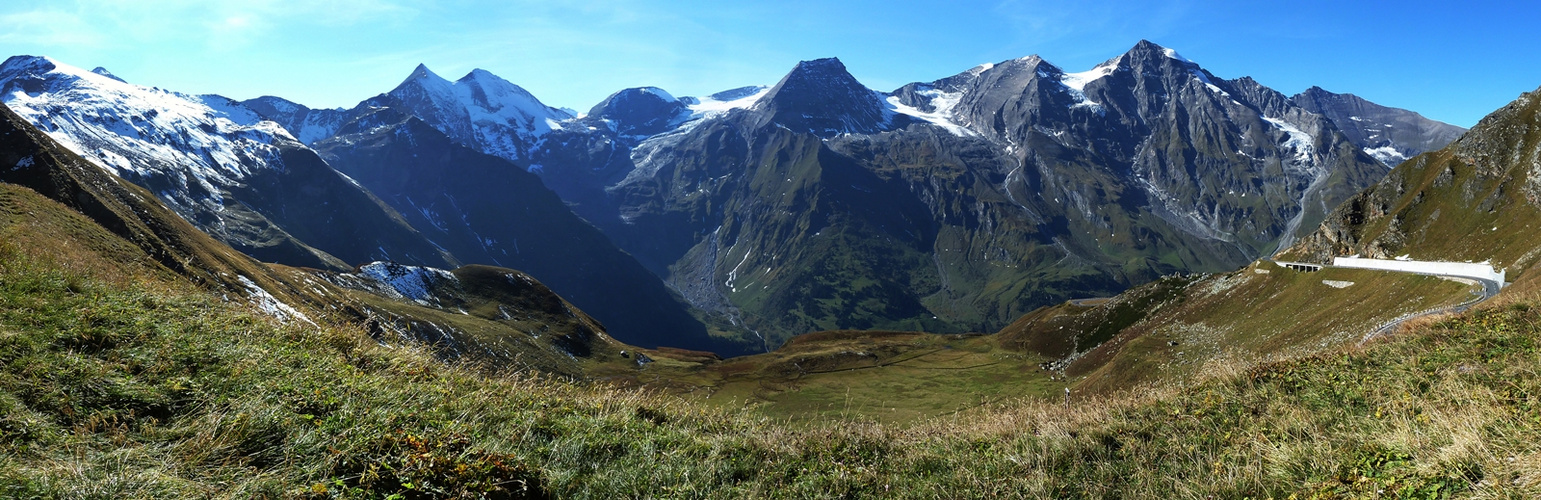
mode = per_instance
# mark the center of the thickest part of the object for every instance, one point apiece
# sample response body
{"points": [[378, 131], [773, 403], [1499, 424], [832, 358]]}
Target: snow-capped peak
{"points": [[481, 110], [38, 65], [140, 131], [1172, 54]]}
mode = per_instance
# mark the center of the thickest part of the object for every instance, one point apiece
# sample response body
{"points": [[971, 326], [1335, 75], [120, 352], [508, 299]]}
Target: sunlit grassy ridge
{"points": [[1158, 333], [1260, 312], [111, 389]]}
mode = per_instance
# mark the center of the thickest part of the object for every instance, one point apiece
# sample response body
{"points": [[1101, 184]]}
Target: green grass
{"points": [[1167, 331], [891, 377], [112, 391], [1253, 316]]}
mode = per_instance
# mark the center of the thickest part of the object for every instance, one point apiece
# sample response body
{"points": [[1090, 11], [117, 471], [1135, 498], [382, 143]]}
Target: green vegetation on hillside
{"points": [[1261, 312], [1163, 332], [111, 390], [893, 377]]}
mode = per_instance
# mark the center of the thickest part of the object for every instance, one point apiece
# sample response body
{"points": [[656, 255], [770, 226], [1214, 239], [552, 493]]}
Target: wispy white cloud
{"points": [[217, 25], [48, 26]]}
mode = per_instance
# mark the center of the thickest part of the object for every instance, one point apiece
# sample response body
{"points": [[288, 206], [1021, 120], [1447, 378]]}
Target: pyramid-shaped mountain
{"points": [[820, 97]]}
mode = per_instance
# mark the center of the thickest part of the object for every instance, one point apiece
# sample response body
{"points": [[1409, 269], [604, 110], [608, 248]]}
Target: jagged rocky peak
{"points": [[1391, 135], [638, 111], [940, 95], [1148, 52], [306, 124], [1148, 59], [822, 98], [1013, 73]]}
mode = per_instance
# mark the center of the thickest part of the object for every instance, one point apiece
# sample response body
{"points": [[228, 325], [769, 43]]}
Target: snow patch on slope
{"points": [[1075, 83], [943, 104], [1387, 155], [1172, 54], [1299, 141], [270, 305], [654, 152], [660, 93], [723, 102], [412, 282]]}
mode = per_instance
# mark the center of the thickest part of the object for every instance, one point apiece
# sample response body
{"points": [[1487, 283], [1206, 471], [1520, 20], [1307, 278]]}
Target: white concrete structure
{"points": [[1299, 266], [1481, 271]]}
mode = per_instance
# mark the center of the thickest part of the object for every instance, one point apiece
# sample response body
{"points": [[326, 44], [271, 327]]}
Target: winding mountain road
{"points": [[1489, 289], [1090, 302]]}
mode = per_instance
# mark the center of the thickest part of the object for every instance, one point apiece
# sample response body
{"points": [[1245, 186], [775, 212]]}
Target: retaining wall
{"points": [[1479, 271]]}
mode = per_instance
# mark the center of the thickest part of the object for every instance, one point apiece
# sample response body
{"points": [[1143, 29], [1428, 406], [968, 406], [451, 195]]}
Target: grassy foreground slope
{"points": [[113, 390]]}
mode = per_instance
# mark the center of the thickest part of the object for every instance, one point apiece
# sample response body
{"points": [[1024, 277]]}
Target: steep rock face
{"points": [[1390, 135], [1227, 161], [1478, 199], [243, 180], [484, 209]]}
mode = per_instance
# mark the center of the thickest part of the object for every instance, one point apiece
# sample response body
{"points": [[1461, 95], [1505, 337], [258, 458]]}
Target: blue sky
{"points": [[1452, 61]]}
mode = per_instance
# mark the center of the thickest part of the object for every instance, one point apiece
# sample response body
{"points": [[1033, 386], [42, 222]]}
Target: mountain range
{"points": [[249, 183], [734, 221]]}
